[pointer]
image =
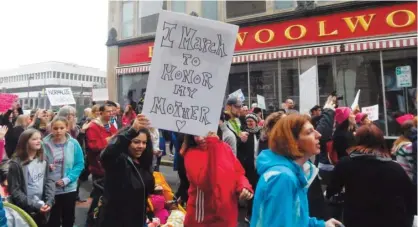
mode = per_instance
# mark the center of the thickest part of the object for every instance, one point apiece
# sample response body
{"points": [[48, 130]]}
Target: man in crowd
{"points": [[233, 112], [316, 111], [289, 105]]}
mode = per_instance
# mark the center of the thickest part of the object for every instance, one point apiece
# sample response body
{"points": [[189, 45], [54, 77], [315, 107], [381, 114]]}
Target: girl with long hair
{"points": [[127, 161], [29, 179], [66, 161], [128, 116], [217, 182], [378, 192], [13, 136], [285, 174]]}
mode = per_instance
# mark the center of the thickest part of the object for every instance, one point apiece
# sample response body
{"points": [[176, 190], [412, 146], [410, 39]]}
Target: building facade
{"points": [[354, 44], [29, 82]]}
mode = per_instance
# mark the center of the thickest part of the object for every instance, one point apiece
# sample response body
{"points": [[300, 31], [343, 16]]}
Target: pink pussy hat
{"points": [[404, 118], [342, 114], [360, 117]]}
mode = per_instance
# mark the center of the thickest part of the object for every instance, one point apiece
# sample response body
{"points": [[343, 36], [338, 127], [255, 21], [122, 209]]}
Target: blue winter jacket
{"points": [[73, 160], [281, 195], [3, 218]]}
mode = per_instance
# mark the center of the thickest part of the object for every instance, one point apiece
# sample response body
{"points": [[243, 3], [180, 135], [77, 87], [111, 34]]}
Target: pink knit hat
{"points": [[360, 117], [404, 118], [342, 114]]}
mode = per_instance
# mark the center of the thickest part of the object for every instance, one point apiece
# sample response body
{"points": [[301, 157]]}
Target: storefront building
{"points": [[358, 48]]}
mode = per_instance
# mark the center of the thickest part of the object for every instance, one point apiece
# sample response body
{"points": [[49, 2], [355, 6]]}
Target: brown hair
{"points": [[405, 133], [269, 123], [283, 138], [22, 148], [370, 139]]}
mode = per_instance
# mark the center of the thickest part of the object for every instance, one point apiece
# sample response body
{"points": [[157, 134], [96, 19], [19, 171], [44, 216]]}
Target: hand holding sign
{"points": [[141, 121]]}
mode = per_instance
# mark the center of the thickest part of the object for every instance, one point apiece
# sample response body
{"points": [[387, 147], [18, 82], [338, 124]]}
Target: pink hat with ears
{"points": [[360, 117], [404, 118], [342, 114]]}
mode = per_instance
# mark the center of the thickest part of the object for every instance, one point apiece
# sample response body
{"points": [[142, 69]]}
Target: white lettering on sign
{"points": [[189, 72]]}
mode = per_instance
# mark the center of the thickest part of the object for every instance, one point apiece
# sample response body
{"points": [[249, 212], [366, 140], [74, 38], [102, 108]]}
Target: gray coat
{"points": [[18, 191]]}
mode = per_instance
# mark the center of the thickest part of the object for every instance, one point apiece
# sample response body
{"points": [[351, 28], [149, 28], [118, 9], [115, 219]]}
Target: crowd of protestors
{"points": [[329, 168]]}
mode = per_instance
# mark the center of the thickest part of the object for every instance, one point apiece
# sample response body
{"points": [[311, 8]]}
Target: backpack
{"points": [[331, 152]]}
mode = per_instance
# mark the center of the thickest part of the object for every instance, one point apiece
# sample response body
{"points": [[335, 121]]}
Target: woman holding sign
{"points": [[217, 181], [127, 162]]}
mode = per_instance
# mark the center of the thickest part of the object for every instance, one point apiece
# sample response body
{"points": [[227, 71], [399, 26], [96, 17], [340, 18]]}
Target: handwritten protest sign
{"points": [[308, 89], [372, 112], [7, 101], [238, 93], [100, 94], [60, 96], [189, 71], [261, 102]]}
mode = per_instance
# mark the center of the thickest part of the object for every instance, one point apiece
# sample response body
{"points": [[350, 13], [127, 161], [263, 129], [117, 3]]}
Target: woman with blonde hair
{"points": [[95, 112], [285, 175]]}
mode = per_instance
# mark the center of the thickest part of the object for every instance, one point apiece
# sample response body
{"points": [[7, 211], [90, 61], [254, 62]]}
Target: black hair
{"points": [[257, 110], [189, 141], [111, 103], [103, 107], [147, 156], [316, 107]]}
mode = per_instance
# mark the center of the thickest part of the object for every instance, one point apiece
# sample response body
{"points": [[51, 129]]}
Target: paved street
{"points": [[85, 189]]}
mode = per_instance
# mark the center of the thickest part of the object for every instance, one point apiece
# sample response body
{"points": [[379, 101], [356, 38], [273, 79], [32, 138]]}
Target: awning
{"points": [[358, 46]]}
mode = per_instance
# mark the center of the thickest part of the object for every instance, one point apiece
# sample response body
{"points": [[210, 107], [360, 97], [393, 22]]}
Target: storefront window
{"points": [[264, 82], [210, 9], [401, 98], [131, 87], [325, 78], [361, 71], [178, 6], [244, 8], [238, 79], [148, 15], [127, 19], [284, 5], [289, 78]]}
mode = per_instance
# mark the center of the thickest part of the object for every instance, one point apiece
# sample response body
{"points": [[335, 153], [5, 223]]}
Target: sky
{"points": [[71, 31]]}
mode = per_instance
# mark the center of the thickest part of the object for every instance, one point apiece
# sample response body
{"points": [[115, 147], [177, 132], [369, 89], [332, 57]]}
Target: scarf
{"points": [[370, 153], [235, 126], [253, 130]]}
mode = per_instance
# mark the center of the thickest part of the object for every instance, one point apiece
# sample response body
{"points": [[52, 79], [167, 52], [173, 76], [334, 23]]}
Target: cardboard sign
{"points": [[7, 101], [238, 93], [308, 89], [60, 96], [372, 112], [403, 76], [100, 94], [261, 102], [189, 72]]}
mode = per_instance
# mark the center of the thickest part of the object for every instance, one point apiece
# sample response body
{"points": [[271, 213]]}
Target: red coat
{"points": [[96, 136], [216, 179]]}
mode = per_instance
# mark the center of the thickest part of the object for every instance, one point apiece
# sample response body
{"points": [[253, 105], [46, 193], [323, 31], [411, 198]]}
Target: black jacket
{"points": [[324, 125], [18, 189], [245, 154], [127, 185], [342, 140], [378, 192], [12, 137]]}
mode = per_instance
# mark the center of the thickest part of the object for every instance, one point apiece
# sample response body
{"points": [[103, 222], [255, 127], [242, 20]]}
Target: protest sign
{"points": [[355, 102], [60, 96], [189, 72], [7, 101], [100, 94], [261, 102], [372, 112], [238, 93], [308, 90]]}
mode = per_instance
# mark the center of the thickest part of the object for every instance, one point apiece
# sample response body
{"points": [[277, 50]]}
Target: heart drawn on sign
{"points": [[180, 124]]}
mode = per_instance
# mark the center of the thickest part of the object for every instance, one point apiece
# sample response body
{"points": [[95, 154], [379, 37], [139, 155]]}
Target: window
{"points": [[284, 5], [289, 80], [71, 76], [148, 15], [178, 6], [238, 79], [399, 99], [54, 75], [210, 9], [131, 87], [127, 19], [20, 77], [59, 75], [83, 77], [360, 71], [264, 82], [244, 8], [325, 78]]}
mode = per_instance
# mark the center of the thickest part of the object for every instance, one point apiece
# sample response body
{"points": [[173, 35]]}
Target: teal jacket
{"points": [[73, 160], [281, 196]]}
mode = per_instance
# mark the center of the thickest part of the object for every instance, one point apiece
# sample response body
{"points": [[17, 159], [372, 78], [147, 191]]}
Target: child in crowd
{"points": [[66, 160]]}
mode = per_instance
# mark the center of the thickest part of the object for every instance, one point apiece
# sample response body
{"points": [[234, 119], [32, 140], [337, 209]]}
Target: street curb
{"points": [[166, 163]]}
